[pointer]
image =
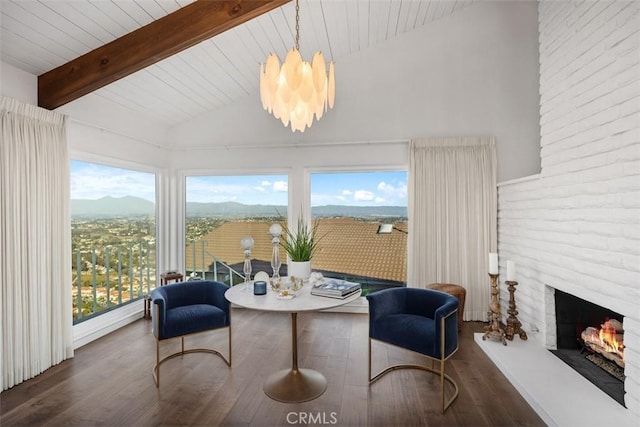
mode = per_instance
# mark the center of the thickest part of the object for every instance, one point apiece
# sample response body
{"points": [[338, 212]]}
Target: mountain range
{"points": [[109, 207]]}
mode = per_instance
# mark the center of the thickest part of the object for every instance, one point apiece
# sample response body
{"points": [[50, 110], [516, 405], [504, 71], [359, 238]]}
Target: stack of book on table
{"points": [[335, 288]]}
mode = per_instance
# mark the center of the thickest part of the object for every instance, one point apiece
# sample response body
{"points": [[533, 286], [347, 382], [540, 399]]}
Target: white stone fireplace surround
{"points": [[553, 251], [560, 395], [576, 226]]}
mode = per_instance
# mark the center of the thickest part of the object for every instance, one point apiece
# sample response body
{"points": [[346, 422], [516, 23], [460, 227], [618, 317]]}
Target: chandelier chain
{"points": [[297, 26]]}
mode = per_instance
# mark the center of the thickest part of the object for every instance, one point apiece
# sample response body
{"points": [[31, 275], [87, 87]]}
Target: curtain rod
{"points": [[243, 147], [294, 145], [115, 132]]}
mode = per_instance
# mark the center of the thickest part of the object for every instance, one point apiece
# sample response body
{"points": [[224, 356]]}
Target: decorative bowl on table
{"points": [[285, 294], [287, 286]]}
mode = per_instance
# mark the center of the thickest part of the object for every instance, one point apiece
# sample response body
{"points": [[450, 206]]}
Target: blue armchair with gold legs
{"points": [[186, 308], [420, 320]]}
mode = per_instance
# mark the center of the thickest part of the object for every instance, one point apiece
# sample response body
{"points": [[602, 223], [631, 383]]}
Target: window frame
{"points": [[179, 258], [351, 169], [106, 317]]}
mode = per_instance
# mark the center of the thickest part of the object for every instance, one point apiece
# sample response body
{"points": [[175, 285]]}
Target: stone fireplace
{"points": [[550, 259], [575, 227]]}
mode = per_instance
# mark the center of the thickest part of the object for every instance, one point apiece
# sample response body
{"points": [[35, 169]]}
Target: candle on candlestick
{"points": [[493, 263], [511, 271]]}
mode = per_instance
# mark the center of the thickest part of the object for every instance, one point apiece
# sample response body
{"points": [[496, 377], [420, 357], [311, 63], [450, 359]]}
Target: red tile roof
{"points": [[347, 245]]}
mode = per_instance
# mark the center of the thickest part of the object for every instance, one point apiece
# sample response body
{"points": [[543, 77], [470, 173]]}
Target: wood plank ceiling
{"points": [[40, 35]]}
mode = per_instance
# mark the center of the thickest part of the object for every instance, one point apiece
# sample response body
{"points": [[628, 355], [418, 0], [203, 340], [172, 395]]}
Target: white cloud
{"points": [[380, 200], [363, 195], [209, 189], [383, 186], [280, 186], [347, 192], [392, 192], [204, 191]]}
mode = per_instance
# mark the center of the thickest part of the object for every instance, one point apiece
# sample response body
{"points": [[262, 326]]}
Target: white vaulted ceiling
{"points": [[38, 36]]}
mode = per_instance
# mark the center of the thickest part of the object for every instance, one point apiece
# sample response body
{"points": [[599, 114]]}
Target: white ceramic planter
{"points": [[299, 269]]}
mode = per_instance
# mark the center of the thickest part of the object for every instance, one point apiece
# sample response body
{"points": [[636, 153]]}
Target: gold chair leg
{"points": [[230, 346], [156, 368], [440, 372], [369, 376], [442, 384]]}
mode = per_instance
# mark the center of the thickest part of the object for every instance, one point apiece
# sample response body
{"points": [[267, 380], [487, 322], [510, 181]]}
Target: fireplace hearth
{"points": [[590, 339]]}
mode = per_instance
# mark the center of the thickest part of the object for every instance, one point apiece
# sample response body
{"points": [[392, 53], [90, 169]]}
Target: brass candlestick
{"points": [[513, 324], [494, 331]]}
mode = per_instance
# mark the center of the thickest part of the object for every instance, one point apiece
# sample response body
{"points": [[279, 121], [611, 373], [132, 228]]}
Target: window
{"points": [[362, 221], [220, 211], [113, 229]]}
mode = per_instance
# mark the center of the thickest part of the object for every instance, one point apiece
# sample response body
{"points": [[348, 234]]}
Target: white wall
{"points": [[100, 145], [576, 226], [117, 123], [18, 84], [472, 73], [97, 128]]}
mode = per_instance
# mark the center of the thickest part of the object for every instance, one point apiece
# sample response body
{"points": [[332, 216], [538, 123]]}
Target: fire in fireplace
{"points": [[590, 339], [607, 341]]}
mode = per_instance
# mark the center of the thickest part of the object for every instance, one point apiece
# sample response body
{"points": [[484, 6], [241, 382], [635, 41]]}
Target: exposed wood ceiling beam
{"points": [[145, 46]]}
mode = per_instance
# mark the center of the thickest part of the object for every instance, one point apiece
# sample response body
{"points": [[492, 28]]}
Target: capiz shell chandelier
{"points": [[297, 90]]}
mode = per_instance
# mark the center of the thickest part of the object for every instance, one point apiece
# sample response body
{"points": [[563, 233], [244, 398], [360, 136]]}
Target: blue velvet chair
{"points": [[420, 320], [186, 308]]}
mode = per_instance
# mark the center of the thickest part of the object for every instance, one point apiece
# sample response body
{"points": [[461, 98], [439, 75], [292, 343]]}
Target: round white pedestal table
{"points": [[296, 384]]}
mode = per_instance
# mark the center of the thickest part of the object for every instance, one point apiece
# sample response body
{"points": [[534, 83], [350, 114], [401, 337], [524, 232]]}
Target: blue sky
{"points": [[93, 181], [359, 189], [250, 190]]}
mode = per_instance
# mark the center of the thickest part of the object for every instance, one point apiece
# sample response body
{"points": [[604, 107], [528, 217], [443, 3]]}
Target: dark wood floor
{"points": [[109, 381]]}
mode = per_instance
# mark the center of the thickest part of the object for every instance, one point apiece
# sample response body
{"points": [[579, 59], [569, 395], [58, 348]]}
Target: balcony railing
{"points": [[115, 275], [111, 276], [207, 266]]}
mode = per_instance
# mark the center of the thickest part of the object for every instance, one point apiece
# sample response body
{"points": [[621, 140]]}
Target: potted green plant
{"points": [[300, 246]]}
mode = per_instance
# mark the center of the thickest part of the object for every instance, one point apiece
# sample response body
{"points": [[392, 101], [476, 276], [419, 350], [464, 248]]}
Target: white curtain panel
{"points": [[453, 216], [36, 322]]}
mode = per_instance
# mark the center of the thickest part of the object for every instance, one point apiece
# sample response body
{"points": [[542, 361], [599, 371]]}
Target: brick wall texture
{"points": [[576, 225]]}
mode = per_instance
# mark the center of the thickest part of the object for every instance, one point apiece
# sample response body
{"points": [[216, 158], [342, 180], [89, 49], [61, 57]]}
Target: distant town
{"points": [[114, 242]]}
